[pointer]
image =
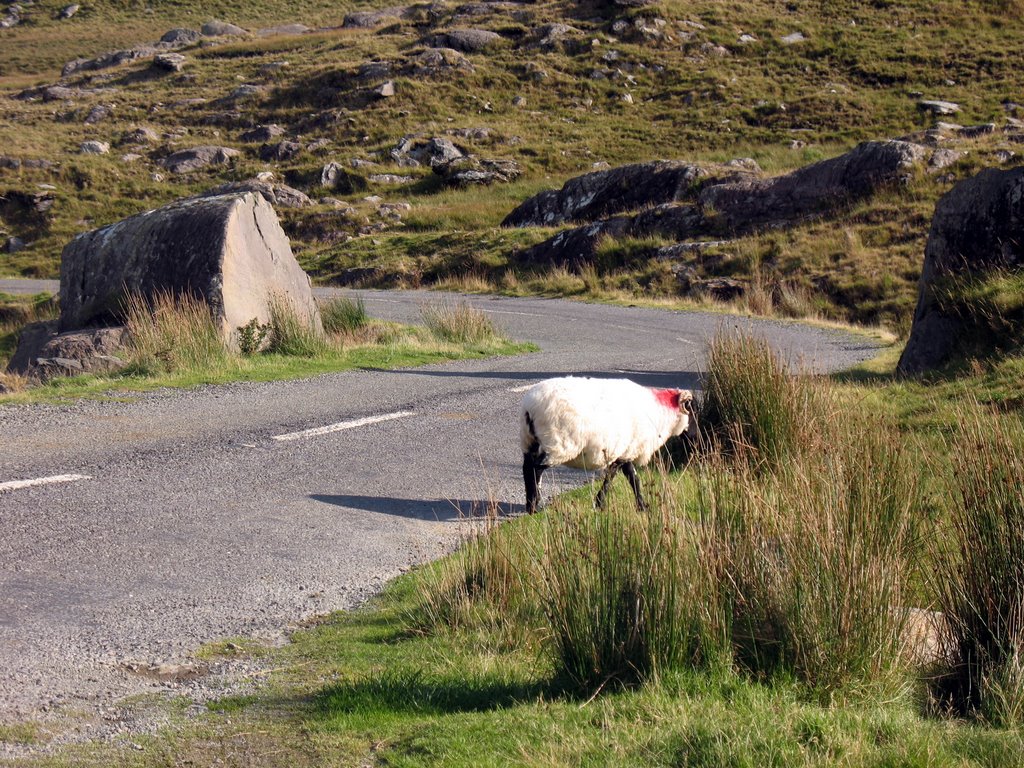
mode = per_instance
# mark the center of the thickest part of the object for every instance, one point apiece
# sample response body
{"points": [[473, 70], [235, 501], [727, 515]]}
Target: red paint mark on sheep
{"points": [[667, 397]]}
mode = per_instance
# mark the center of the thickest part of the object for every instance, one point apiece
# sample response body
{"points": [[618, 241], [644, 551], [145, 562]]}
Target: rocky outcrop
{"points": [[751, 203], [978, 227], [603, 193], [43, 353], [683, 201], [229, 250]]}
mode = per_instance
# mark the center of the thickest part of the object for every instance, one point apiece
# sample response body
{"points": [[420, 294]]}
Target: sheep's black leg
{"points": [[630, 472], [533, 468], [608, 475]]}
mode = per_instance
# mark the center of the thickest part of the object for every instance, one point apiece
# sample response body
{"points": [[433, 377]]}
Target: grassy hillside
{"points": [[698, 88]]}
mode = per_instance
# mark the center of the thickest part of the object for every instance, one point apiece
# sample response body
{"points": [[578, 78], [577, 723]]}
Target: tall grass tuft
{"points": [[487, 581], [821, 554], [629, 595], [979, 569], [458, 322], [293, 335], [343, 315], [754, 405], [173, 333]]}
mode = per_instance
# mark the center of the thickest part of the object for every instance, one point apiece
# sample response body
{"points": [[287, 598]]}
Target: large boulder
{"points": [[43, 353], [603, 193], [751, 203], [465, 40], [978, 227], [229, 250]]}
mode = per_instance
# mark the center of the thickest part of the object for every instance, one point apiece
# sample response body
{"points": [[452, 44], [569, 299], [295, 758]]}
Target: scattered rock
{"points": [[412, 151], [14, 244], [283, 150], [556, 37], [388, 178], [792, 38], [943, 158], [180, 36], [141, 135], [384, 90], [130, 157], [98, 114], [438, 61], [335, 176], [107, 60], [714, 51], [974, 131], [719, 288], [186, 160], [68, 11], [939, 107], [169, 62], [221, 29], [43, 353], [93, 147], [519, 101], [263, 133], [228, 249], [1005, 155], [471, 170], [372, 19], [246, 91], [746, 39], [978, 227], [465, 40], [641, 30], [11, 17]]}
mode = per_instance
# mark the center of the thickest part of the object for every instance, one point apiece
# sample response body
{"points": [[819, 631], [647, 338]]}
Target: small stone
{"points": [[14, 244], [937, 107], [283, 150], [519, 101], [68, 11], [130, 157], [169, 62], [385, 90], [93, 147], [389, 178], [793, 38], [156, 177], [746, 38], [1005, 155], [98, 113], [263, 133], [220, 29], [246, 91], [180, 36]]}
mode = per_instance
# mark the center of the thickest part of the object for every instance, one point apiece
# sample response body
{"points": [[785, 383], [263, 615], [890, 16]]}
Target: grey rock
{"points": [[974, 131], [98, 114], [978, 227], [384, 90], [602, 193], [334, 176], [939, 107], [43, 353], [107, 60], [263, 133], [1005, 155], [216, 28], [282, 150], [472, 171], [465, 40], [388, 178], [140, 135], [180, 36], [14, 244], [438, 61], [943, 158], [187, 160], [68, 11], [93, 147], [246, 91], [792, 38], [130, 157], [169, 62], [412, 151], [372, 19], [555, 37], [228, 249], [278, 195]]}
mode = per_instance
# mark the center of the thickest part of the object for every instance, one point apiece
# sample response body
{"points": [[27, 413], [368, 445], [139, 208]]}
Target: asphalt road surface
{"points": [[180, 518]]}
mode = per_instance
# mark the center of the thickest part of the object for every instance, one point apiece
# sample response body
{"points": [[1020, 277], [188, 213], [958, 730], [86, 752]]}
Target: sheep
{"points": [[597, 424]]}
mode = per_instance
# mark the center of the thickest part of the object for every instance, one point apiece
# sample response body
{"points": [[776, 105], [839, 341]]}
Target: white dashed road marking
{"points": [[15, 485], [343, 425]]}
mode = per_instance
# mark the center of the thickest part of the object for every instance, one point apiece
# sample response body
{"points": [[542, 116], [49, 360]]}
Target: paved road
{"points": [[195, 523]]}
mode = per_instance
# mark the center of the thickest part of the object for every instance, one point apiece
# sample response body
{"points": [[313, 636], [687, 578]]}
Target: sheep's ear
{"points": [[686, 401]]}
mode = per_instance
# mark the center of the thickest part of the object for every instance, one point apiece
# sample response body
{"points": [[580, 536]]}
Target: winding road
{"points": [[181, 517]]}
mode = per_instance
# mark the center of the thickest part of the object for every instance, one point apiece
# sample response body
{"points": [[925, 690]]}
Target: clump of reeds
{"points": [[173, 333], [458, 322], [978, 571]]}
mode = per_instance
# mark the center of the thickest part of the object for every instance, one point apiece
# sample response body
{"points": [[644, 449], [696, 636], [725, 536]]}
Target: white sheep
{"points": [[597, 424]]}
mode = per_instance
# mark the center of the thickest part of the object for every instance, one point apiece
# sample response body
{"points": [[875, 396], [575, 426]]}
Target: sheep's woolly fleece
{"points": [[591, 423]]}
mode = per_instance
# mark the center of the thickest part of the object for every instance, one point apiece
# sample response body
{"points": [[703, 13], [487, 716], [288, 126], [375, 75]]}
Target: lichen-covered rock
{"points": [[229, 250], [603, 193], [978, 227]]}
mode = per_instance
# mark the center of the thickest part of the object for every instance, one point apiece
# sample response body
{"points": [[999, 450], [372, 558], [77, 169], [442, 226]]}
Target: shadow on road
{"points": [[665, 379], [441, 510]]}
